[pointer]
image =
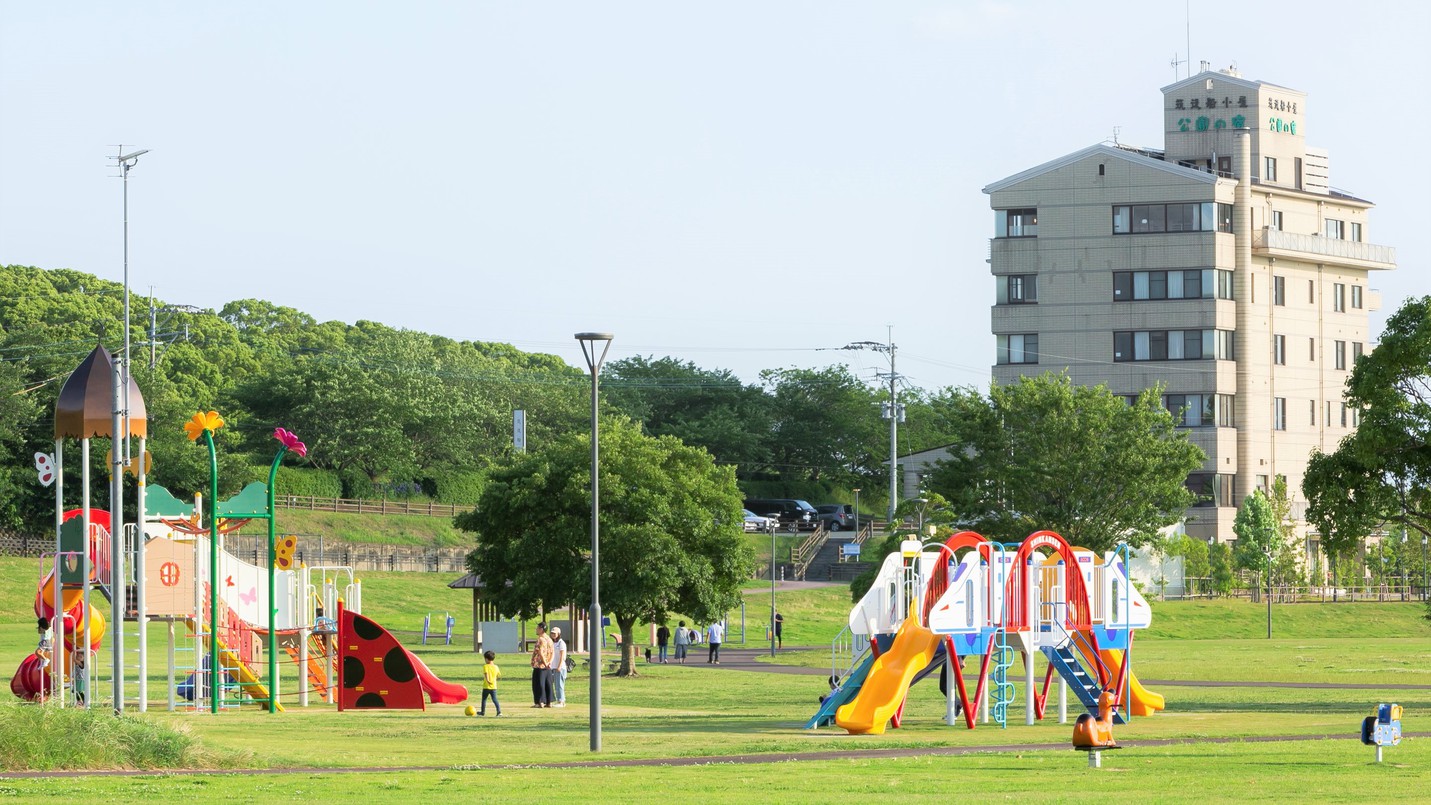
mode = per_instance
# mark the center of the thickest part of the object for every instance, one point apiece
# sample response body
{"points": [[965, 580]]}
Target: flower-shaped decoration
{"points": [[201, 422], [290, 441]]}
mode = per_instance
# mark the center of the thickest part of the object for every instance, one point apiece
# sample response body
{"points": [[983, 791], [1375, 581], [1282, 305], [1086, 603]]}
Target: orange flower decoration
{"points": [[201, 422]]}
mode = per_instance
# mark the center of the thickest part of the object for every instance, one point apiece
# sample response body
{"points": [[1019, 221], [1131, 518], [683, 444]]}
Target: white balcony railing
{"points": [[1331, 250]]}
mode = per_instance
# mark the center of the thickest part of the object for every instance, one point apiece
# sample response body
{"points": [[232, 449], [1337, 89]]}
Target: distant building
{"points": [[1225, 268]]}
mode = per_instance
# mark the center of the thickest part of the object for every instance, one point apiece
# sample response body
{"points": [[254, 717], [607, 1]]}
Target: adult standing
{"points": [[715, 634], [663, 636], [779, 622], [558, 668], [542, 654], [683, 641]]}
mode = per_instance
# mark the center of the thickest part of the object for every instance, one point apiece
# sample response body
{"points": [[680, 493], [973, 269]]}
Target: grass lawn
{"points": [[697, 711]]}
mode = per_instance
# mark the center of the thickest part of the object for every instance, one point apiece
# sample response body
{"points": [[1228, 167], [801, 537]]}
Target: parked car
{"points": [[836, 516], [796, 515], [755, 522]]}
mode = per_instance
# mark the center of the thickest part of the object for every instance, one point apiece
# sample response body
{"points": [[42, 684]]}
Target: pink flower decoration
{"points": [[290, 441]]}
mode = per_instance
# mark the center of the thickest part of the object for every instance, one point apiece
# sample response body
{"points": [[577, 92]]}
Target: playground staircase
{"points": [[318, 675], [849, 687], [1085, 687]]}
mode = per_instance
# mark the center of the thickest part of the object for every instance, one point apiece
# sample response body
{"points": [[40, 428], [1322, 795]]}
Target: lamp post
{"points": [[856, 490], [770, 524], [1269, 591], [1423, 567], [922, 503], [589, 342]]}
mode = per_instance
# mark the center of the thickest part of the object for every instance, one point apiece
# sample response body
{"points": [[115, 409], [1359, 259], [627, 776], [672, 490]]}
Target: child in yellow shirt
{"points": [[490, 674]]}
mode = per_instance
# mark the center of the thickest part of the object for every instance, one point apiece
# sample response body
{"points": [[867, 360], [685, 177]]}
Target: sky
{"points": [[742, 185]]}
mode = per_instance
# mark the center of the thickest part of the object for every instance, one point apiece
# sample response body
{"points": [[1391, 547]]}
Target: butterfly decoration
{"points": [[283, 552], [249, 597], [45, 464]]}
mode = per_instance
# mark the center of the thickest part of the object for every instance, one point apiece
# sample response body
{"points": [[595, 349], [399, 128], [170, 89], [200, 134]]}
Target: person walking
{"points": [[779, 622], [558, 668], [490, 674], [714, 635], [683, 641], [542, 652], [663, 636]]}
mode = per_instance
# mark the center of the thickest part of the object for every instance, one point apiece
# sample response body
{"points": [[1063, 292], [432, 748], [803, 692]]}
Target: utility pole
{"points": [[892, 411]]}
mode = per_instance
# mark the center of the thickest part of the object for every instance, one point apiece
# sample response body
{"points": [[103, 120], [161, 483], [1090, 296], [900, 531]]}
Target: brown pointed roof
{"points": [[86, 404]]}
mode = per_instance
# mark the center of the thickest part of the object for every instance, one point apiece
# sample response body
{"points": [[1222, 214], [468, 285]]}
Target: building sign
{"points": [[1209, 102], [1203, 123]]}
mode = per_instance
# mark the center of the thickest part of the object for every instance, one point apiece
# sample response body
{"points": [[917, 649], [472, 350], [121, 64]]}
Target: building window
{"points": [[1312, 349], [1279, 413], [1211, 489], [1356, 297], [1333, 228], [1016, 223], [1311, 292], [1339, 297], [1224, 167], [1224, 217], [1279, 291], [1194, 283], [1225, 284], [1020, 348], [1312, 413], [1200, 410], [1020, 289], [1340, 349], [1356, 352], [1356, 232], [1277, 220], [1344, 415], [1142, 218], [1329, 412], [1269, 170], [1172, 345], [1279, 350]]}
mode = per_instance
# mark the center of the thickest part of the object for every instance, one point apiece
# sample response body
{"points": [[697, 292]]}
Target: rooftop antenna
{"points": [[1187, 15], [1116, 129], [1176, 61]]}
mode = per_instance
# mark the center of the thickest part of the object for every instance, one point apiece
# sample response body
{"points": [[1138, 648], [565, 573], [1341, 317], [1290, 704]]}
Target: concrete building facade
{"points": [[1223, 268]]}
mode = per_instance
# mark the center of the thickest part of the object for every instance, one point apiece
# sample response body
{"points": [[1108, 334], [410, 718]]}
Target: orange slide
{"points": [[888, 681]]}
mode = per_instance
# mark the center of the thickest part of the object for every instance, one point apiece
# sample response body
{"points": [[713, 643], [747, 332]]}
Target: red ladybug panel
{"points": [[374, 669]]}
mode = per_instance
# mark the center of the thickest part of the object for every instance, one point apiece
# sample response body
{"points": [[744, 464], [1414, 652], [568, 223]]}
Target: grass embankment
{"points": [[369, 529], [73, 738]]}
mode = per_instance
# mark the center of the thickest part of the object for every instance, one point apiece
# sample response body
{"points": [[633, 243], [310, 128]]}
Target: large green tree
{"points": [[1044, 453], [671, 531]]}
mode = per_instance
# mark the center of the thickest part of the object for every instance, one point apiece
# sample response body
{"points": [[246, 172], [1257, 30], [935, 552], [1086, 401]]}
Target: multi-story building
{"points": [[1223, 268]]}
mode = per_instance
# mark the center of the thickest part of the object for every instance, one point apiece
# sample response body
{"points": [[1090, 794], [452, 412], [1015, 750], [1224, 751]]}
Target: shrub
{"points": [[457, 487]]}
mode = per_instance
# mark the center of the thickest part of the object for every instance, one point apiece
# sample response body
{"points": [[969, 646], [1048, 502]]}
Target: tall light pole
{"points": [[894, 412], [1269, 592], [856, 490], [589, 343], [770, 524], [119, 456]]}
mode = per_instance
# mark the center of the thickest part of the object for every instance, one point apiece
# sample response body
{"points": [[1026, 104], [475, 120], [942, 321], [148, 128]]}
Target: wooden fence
{"points": [[358, 506]]}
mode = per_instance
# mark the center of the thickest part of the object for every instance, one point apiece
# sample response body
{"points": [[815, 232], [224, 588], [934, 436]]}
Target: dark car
{"points": [[792, 514], [836, 516]]}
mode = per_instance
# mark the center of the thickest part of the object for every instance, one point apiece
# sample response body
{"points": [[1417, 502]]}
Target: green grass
{"points": [[369, 529], [702, 712]]}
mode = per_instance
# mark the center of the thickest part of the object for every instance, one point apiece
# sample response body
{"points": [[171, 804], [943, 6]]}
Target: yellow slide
{"points": [[888, 680], [248, 682], [1144, 702]]}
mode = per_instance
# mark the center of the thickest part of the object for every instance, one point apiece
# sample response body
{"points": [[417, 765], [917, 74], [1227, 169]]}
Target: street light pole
{"points": [[593, 630], [856, 490], [1269, 592], [771, 525]]}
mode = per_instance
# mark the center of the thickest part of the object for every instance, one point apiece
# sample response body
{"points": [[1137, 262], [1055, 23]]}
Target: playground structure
{"points": [[171, 568], [930, 607]]}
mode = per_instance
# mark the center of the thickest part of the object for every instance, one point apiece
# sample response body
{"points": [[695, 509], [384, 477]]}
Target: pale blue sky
{"points": [[736, 184]]}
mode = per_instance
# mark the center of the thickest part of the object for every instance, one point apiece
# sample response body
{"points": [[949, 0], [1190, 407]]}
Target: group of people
{"points": [[683, 638]]}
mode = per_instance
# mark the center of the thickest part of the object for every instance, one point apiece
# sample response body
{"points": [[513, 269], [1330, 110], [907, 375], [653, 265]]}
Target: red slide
{"points": [[438, 692]]}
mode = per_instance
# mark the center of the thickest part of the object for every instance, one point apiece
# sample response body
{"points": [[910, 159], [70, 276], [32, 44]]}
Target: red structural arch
{"points": [[939, 579], [1016, 618]]}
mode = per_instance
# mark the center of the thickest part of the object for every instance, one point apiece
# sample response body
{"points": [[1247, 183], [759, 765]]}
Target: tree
{"points": [[701, 407], [671, 531], [1043, 453], [1219, 559], [1346, 501], [826, 426], [1258, 533]]}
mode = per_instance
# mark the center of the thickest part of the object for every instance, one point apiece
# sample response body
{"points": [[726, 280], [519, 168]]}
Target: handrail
{"points": [[804, 554], [848, 641], [864, 534]]}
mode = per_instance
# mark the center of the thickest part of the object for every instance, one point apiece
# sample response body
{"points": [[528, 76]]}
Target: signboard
{"points": [[519, 430]]}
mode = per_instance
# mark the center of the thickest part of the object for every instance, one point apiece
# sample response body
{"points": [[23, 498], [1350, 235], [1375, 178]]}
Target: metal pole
{"points": [[117, 588], [593, 362], [857, 512], [772, 587], [893, 436], [1269, 594], [140, 589]]}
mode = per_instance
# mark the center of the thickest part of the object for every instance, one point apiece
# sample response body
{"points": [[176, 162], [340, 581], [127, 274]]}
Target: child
{"points": [[490, 674], [47, 641]]}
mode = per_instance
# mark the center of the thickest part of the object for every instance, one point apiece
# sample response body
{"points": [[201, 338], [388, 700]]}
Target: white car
{"points": [[754, 522]]}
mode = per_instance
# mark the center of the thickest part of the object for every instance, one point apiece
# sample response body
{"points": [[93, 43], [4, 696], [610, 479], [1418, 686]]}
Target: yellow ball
{"points": [[471, 711]]}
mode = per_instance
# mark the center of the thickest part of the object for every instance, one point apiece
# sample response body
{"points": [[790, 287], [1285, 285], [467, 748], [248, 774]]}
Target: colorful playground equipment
{"points": [[930, 607], [172, 569]]}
